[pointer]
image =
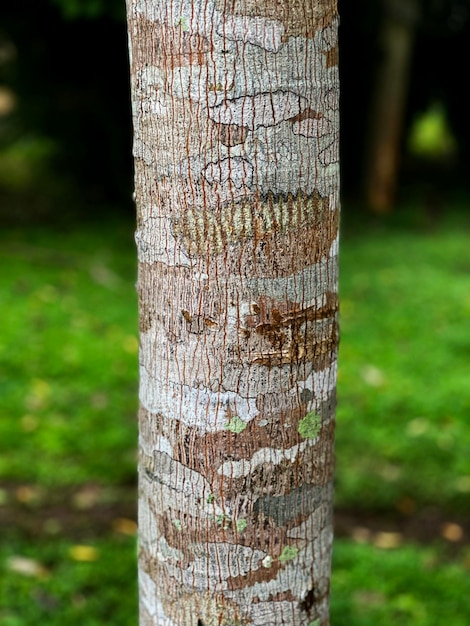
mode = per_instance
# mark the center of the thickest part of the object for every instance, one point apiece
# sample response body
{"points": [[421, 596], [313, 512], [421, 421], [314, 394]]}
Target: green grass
{"points": [[68, 402], [404, 392], [68, 355], [410, 585], [63, 590]]}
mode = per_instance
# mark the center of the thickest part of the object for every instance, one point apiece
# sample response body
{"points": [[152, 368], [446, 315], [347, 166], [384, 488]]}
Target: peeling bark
{"points": [[236, 119]]}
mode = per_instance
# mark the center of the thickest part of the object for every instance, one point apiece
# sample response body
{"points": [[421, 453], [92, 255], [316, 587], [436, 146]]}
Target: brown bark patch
{"points": [[213, 449], [293, 250], [299, 18], [312, 466], [307, 114], [260, 533], [269, 312], [206, 453], [290, 351], [197, 324], [281, 596], [167, 46], [231, 134], [278, 480], [291, 332], [332, 57], [183, 305], [261, 575]]}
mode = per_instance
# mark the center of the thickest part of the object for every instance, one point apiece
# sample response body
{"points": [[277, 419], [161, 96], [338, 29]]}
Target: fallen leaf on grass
{"points": [[125, 526], [387, 540], [373, 376], [29, 494], [87, 498], [452, 532], [84, 553], [26, 567]]}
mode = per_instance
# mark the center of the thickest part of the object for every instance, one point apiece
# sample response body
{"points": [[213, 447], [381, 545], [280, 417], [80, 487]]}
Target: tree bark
{"points": [[236, 116]]}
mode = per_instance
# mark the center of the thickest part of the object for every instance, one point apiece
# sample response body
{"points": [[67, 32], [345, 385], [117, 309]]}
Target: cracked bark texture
{"points": [[236, 123]]}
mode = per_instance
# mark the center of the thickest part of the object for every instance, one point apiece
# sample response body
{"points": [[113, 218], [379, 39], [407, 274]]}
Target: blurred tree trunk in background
{"points": [[236, 115], [388, 103]]}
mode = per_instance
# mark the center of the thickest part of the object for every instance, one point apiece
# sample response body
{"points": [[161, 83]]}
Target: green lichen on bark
{"points": [[310, 425], [235, 425], [288, 553]]}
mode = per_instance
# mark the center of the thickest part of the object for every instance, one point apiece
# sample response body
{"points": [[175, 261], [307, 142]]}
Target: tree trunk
{"points": [[388, 103], [236, 117]]}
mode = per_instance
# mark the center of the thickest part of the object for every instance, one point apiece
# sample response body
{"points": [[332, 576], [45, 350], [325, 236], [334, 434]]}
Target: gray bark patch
{"points": [[263, 109], [235, 169], [256, 30], [286, 508]]}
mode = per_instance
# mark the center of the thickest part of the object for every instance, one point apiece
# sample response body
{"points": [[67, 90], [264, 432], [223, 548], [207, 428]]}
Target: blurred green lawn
{"points": [[68, 399]]}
